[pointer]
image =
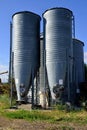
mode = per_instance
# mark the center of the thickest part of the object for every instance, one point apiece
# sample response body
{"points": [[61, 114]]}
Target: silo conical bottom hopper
{"points": [[22, 80], [56, 73]]}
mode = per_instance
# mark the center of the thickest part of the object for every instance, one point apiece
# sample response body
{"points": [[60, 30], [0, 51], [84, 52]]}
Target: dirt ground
{"points": [[19, 124]]}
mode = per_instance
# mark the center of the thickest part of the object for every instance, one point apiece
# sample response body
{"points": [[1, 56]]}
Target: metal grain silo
{"points": [[78, 61], [58, 43], [25, 40]]}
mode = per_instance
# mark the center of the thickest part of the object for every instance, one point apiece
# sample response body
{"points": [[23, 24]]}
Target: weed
{"points": [[4, 101], [29, 115]]}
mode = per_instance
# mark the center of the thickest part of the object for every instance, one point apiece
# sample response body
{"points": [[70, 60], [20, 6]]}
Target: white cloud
{"points": [[3, 68], [85, 57], [4, 77]]}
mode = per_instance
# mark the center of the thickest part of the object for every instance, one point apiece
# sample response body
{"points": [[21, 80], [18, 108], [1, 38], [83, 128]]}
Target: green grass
{"points": [[4, 101], [54, 116], [29, 115]]}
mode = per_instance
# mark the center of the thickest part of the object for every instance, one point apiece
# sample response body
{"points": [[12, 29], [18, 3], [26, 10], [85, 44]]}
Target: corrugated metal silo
{"points": [[78, 61], [58, 43], [26, 41]]}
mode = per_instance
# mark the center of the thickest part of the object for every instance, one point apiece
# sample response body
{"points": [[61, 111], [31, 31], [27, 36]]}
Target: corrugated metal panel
{"points": [[42, 48], [58, 40], [26, 31], [42, 71], [78, 60]]}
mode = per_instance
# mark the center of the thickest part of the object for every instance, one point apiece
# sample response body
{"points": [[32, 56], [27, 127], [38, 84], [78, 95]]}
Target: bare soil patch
{"points": [[20, 124]]}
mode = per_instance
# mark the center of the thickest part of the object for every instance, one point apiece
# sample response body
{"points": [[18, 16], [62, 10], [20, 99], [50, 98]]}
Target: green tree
{"points": [[85, 70]]}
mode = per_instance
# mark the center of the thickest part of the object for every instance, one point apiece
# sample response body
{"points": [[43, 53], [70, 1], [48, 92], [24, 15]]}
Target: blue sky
{"points": [[9, 7]]}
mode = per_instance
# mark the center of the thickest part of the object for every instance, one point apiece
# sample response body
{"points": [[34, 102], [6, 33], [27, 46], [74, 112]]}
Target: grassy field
{"points": [[57, 115], [50, 116]]}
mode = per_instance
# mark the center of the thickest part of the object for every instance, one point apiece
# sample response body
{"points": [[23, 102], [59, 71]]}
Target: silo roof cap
{"points": [[26, 12], [78, 41], [58, 8]]}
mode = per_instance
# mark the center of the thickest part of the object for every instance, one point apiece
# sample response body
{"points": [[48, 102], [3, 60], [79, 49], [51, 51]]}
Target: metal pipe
{"points": [[37, 88], [11, 83], [32, 89], [68, 74], [11, 66], [44, 78], [3, 72], [73, 26], [10, 52]]}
